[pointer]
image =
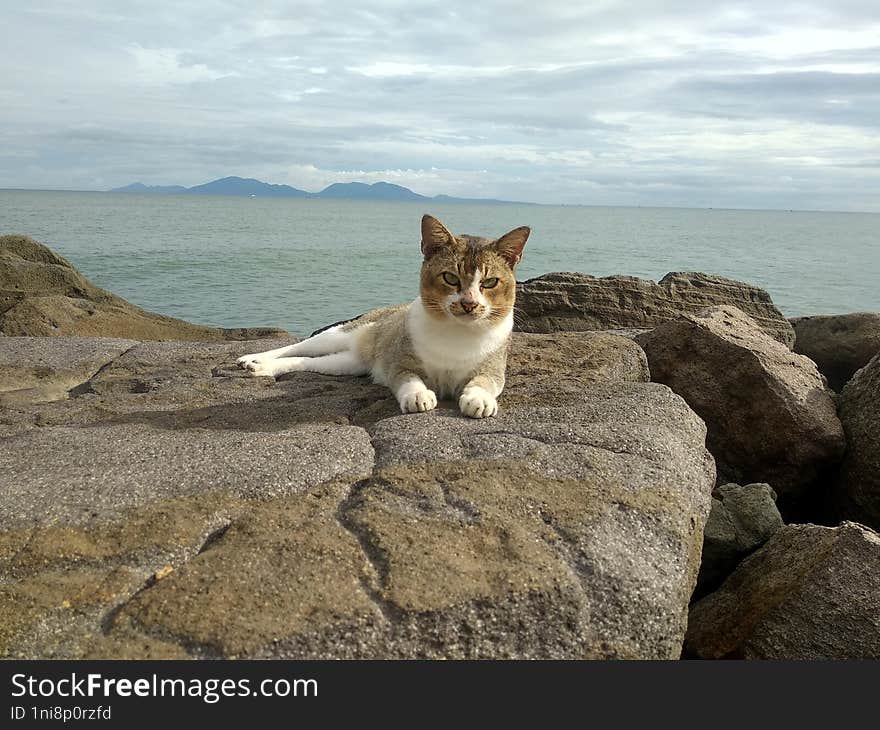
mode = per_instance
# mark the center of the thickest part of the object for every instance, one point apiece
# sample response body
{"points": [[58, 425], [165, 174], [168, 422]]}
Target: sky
{"points": [[751, 104]]}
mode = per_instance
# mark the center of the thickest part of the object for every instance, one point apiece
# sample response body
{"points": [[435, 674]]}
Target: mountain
{"points": [[362, 191], [138, 187], [337, 191], [247, 186], [493, 201]]}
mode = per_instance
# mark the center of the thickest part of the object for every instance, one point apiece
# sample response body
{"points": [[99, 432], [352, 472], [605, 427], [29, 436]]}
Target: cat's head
{"points": [[469, 279]]}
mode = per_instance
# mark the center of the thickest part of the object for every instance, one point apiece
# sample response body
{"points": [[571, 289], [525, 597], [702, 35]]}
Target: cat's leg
{"points": [[338, 363], [479, 397], [324, 343], [412, 394]]}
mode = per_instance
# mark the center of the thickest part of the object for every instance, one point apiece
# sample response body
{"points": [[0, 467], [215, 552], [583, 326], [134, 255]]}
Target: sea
{"points": [[301, 264]]}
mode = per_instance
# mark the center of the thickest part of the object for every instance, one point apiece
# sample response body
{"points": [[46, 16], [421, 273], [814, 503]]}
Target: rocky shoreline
{"points": [[653, 439]]}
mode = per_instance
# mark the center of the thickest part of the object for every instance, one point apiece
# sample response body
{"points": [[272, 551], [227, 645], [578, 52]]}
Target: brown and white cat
{"points": [[450, 342]]}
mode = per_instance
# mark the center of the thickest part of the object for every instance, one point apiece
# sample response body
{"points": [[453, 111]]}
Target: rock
{"points": [[810, 593], [43, 369], [839, 344], [171, 508], [595, 434], [858, 484], [575, 302], [42, 294], [752, 511], [60, 583], [741, 520], [551, 363], [183, 385], [69, 474], [769, 416], [465, 559], [483, 556], [37, 370]]}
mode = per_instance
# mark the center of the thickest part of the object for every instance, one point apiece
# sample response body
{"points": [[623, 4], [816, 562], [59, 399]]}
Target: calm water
{"points": [[299, 264]]}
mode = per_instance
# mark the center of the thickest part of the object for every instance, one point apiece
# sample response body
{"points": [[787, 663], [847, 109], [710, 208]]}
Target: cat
{"points": [[451, 341]]}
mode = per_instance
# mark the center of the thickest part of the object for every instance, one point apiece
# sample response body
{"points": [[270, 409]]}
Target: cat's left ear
{"points": [[435, 236], [510, 246]]}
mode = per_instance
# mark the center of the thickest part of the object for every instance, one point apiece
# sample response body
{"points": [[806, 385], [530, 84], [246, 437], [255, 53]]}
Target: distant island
{"points": [[347, 191]]}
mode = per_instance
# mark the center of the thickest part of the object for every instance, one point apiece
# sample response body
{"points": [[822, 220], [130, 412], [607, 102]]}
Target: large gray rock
{"points": [[769, 415], [858, 485], [441, 554], [839, 344], [741, 520], [164, 512], [576, 302], [42, 294], [810, 593]]}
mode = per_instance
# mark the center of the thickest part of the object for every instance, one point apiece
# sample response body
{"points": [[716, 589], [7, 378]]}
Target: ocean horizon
{"points": [[466, 201]]}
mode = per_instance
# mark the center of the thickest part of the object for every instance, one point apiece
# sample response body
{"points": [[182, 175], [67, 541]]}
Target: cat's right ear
{"points": [[435, 236]]}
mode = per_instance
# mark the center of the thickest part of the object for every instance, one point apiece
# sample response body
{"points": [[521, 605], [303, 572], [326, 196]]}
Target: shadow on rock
{"points": [[305, 399]]}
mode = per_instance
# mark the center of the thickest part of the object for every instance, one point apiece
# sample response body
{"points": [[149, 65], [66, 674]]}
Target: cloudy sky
{"points": [[640, 102]]}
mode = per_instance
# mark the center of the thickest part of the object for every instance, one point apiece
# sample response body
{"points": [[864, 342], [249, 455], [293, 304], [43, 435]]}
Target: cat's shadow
{"points": [[295, 399]]}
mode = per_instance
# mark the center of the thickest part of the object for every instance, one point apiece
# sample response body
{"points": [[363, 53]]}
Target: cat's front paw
{"points": [[478, 403], [260, 368], [245, 360], [275, 366], [419, 401]]}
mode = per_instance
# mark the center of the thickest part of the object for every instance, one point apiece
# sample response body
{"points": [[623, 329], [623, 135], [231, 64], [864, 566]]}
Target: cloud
{"points": [[739, 104], [159, 66]]}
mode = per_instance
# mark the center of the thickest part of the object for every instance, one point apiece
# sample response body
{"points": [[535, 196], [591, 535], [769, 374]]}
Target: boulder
{"points": [[42, 294], [858, 484], [769, 415], [171, 508], [576, 302], [839, 344], [810, 592], [741, 520]]}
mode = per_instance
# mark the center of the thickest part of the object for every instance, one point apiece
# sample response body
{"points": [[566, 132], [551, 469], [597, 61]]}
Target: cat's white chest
{"points": [[450, 353]]}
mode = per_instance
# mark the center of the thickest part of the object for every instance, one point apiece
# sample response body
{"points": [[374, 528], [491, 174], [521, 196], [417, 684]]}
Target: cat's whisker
{"points": [[519, 316]]}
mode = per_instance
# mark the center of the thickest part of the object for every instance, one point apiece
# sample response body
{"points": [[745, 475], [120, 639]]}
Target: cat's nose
{"points": [[468, 305]]}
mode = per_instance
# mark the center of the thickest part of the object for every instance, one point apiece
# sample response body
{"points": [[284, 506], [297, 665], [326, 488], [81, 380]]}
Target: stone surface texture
{"points": [[575, 302], [769, 415], [839, 344], [810, 593], [166, 506], [858, 484], [741, 520]]}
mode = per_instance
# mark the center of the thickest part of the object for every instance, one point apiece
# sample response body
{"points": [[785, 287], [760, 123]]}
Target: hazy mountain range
{"points": [[258, 188]]}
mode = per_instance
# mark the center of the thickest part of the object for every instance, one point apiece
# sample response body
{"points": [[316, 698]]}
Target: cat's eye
{"points": [[450, 278], [489, 283]]}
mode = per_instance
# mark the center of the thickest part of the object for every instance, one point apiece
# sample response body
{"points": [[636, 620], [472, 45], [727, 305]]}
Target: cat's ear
{"points": [[510, 246], [435, 236]]}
